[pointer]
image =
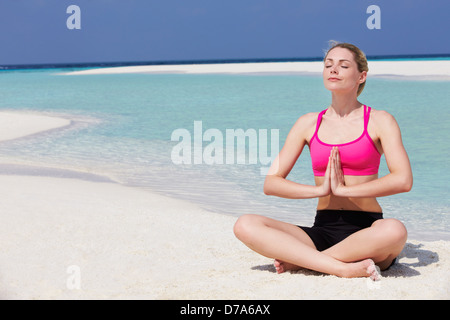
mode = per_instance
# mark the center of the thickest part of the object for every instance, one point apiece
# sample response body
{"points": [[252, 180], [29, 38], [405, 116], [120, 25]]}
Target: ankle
{"points": [[343, 270]]}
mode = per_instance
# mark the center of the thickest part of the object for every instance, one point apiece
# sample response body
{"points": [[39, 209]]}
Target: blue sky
{"points": [[35, 31]]}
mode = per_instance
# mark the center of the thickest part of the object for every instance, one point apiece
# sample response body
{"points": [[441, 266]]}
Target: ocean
{"points": [[135, 129]]}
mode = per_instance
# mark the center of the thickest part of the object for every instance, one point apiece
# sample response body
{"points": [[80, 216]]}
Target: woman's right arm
{"points": [[276, 183]]}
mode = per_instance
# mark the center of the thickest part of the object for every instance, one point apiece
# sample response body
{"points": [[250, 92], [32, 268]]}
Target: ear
{"points": [[363, 77]]}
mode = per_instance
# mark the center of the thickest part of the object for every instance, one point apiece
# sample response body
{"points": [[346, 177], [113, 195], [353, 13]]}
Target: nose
{"points": [[333, 69]]}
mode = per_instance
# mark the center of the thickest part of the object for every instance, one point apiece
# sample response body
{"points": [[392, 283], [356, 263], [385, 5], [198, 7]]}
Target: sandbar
{"points": [[420, 69], [14, 125]]}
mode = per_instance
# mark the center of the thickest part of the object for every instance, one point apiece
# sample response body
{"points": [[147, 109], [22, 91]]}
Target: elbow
{"points": [[407, 184], [268, 186]]}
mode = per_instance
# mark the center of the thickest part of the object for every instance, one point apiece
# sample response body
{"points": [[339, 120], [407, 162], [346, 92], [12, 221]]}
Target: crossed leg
{"points": [[382, 242], [291, 247]]}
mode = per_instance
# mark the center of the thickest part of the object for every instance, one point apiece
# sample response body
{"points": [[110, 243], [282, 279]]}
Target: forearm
{"points": [[278, 186], [385, 186]]}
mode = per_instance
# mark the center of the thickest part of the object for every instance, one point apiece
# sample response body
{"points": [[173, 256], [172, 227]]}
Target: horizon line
{"points": [[202, 61]]}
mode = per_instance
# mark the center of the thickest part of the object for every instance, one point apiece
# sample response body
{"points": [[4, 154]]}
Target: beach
{"points": [[74, 238], [429, 70], [15, 125]]}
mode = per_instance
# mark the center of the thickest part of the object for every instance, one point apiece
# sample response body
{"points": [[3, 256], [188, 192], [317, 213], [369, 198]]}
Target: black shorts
{"points": [[333, 226]]}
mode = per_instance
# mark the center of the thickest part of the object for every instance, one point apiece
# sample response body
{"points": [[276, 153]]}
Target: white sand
{"points": [[127, 243], [426, 69], [15, 125]]}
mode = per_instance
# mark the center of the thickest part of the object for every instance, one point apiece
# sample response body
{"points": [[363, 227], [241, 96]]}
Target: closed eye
{"points": [[345, 67]]}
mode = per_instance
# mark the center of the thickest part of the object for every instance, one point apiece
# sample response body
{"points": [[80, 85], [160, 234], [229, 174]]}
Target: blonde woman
{"points": [[346, 141]]}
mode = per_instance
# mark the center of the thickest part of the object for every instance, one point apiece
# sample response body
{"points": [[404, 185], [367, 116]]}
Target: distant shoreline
{"points": [[76, 65], [400, 69]]}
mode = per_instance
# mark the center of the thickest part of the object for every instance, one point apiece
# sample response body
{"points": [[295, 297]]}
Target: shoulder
{"points": [[383, 122], [378, 115], [305, 123], [307, 120]]}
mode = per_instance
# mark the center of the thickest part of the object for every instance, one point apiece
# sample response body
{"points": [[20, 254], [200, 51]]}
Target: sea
{"points": [[173, 134]]}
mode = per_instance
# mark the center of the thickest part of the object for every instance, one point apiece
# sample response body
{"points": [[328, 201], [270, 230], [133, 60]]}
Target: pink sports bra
{"points": [[359, 157]]}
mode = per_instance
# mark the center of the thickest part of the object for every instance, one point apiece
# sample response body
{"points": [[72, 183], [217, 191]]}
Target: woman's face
{"points": [[340, 72]]}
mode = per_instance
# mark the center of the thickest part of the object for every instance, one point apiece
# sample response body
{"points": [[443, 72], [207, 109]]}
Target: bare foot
{"points": [[374, 272], [282, 266], [365, 268]]}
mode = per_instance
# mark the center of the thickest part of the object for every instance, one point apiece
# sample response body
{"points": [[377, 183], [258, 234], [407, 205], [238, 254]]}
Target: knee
{"points": [[244, 226], [392, 230]]}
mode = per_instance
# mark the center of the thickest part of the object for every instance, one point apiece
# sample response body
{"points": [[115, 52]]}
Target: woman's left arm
{"points": [[400, 177]]}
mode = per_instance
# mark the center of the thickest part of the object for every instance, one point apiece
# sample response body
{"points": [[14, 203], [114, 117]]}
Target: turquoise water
{"points": [[122, 127]]}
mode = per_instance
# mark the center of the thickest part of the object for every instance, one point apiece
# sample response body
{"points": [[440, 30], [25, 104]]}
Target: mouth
{"points": [[333, 79]]}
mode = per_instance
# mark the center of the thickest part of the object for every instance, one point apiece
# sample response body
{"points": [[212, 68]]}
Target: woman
{"points": [[346, 141]]}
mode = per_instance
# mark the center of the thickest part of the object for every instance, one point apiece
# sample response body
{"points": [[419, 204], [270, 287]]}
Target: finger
{"points": [[338, 156], [338, 167], [332, 168], [330, 160], [335, 157], [328, 170]]}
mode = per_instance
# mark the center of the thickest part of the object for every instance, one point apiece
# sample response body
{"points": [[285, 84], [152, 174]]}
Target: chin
{"points": [[337, 88]]}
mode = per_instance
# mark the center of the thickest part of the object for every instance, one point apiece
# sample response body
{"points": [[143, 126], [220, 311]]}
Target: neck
{"points": [[344, 104]]}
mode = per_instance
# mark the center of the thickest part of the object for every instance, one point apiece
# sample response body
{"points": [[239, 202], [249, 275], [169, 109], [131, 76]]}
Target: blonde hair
{"points": [[358, 55]]}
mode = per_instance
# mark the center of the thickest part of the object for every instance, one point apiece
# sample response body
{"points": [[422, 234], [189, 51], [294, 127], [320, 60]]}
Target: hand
{"points": [[337, 182], [325, 188]]}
